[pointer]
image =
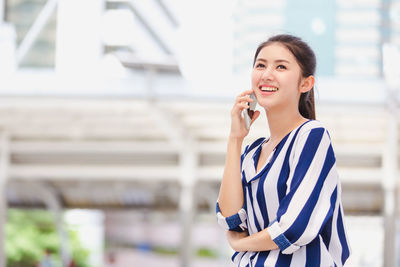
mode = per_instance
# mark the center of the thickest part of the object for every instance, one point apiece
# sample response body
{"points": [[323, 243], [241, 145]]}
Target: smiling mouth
{"points": [[268, 89]]}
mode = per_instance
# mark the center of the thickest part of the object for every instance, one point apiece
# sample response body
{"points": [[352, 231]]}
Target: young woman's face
{"points": [[276, 78]]}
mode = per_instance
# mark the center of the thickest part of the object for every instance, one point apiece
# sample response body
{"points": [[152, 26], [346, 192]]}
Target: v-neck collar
{"points": [[271, 158]]}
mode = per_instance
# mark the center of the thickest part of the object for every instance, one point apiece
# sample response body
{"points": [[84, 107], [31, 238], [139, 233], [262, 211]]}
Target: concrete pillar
{"points": [[53, 203], [389, 185], [188, 161], [391, 56], [8, 62], [4, 163]]}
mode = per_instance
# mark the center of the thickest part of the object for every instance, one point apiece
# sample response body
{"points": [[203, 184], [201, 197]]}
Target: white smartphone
{"points": [[248, 113]]}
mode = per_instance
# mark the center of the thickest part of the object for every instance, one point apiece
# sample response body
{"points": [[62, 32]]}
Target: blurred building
{"points": [[123, 107]]}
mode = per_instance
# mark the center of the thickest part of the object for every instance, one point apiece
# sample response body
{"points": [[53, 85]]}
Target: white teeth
{"points": [[269, 89]]}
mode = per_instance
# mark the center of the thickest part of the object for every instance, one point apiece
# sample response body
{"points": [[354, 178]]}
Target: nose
{"points": [[267, 74]]}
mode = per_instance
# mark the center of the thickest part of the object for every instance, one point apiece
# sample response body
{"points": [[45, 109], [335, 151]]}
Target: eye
{"points": [[260, 65], [281, 67]]}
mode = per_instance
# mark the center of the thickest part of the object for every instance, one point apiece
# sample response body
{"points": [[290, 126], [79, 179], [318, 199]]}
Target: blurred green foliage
{"points": [[207, 253], [29, 233]]}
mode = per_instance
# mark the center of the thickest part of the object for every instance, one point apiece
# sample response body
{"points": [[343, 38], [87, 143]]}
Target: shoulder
{"points": [[312, 126], [312, 133], [313, 139]]}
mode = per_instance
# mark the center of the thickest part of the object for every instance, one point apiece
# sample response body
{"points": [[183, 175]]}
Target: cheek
{"points": [[255, 77], [291, 79]]}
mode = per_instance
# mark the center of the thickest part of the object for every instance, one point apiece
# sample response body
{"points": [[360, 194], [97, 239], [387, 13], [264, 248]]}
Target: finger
{"points": [[240, 106], [244, 99], [243, 105], [247, 92]]}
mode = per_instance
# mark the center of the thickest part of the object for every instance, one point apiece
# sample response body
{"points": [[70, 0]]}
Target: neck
{"points": [[282, 122]]}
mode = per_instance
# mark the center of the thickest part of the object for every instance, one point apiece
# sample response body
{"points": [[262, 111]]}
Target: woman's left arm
{"points": [[260, 241]]}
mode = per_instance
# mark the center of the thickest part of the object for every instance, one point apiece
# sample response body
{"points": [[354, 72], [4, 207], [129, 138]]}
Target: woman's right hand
{"points": [[238, 125]]}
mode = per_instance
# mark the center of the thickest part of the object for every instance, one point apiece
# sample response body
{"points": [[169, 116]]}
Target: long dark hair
{"points": [[306, 59]]}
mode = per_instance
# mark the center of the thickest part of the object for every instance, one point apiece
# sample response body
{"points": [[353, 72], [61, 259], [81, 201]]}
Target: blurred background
{"points": [[114, 116]]}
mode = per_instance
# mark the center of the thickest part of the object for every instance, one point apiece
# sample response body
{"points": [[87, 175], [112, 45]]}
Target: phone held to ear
{"points": [[248, 113]]}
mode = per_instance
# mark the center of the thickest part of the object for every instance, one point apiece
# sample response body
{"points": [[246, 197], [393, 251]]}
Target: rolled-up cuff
{"points": [[236, 222], [280, 239]]}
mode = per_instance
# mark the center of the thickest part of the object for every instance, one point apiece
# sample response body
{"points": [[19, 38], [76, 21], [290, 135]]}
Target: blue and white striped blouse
{"points": [[297, 197]]}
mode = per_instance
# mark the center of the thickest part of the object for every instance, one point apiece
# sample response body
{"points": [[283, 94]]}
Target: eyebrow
{"points": [[276, 61]]}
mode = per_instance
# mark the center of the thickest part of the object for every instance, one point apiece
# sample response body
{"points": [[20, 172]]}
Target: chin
{"points": [[265, 103]]}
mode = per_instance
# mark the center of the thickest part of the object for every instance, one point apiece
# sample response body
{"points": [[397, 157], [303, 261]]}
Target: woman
{"points": [[281, 199]]}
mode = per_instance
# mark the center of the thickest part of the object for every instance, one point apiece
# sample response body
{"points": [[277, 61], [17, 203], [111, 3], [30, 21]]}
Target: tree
{"points": [[31, 232]]}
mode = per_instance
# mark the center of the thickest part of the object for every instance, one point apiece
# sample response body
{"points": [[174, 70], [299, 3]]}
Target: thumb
{"points": [[255, 116]]}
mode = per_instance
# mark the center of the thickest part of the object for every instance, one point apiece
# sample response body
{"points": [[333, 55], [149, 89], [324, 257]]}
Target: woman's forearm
{"points": [[260, 241], [230, 197]]}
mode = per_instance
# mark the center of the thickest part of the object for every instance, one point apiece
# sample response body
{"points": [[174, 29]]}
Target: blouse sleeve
{"points": [[236, 222], [311, 192]]}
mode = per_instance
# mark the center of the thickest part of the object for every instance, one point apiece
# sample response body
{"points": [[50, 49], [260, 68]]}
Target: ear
{"points": [[307, 84]]}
